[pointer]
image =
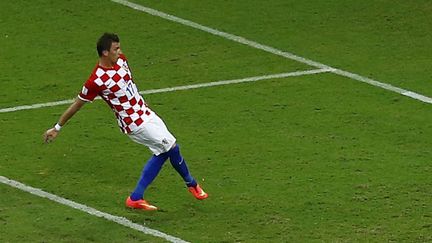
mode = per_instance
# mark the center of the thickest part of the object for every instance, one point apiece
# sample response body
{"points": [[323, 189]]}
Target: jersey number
{"points": [[130, 88]]}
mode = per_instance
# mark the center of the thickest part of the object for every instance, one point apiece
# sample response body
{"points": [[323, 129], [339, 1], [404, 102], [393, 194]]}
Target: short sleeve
{"points": [[90, 89]]}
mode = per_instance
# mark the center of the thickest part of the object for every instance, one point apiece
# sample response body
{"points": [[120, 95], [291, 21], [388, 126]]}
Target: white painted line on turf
{"points": [[36, 106], [184, 87], [273, 50], [384, 86], [237, 81], [119, 220], [225, 35]]}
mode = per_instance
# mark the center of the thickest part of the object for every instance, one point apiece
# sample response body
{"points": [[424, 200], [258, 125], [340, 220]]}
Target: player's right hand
{"points": [[50, 135]]}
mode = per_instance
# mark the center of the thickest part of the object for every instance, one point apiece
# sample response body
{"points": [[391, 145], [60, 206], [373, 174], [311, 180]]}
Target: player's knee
{"points": [[175, 148]]}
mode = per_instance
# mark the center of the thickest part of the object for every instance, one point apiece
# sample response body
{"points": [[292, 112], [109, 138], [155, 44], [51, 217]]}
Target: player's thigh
{"points": [[155, 135]]}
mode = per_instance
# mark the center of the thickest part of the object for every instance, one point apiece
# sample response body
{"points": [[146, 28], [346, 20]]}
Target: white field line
{"points": [[185, 87], [275, 51], [119, 220]]}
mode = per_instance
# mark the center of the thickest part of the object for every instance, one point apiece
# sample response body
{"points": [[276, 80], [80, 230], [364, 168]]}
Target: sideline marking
{"points": [[275, 51], [184, 87], [119, 220]]}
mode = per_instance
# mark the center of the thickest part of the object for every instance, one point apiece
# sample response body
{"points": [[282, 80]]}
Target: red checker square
{"points": [[104, 77], [130, 111], [116, 77], [147, 112], [123, 99], [128, 130], [140, 102], [115, 88], [139, 121], [111, 96], [133, 101], [126, 77], [127, 120], [140, 112], [118, 107]]}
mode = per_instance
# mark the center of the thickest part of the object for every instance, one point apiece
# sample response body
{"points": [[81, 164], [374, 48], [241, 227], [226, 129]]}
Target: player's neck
{"points": [[106, 63]]}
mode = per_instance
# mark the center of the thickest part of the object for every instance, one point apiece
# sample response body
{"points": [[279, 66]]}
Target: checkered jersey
{"points": [[116, 87]]}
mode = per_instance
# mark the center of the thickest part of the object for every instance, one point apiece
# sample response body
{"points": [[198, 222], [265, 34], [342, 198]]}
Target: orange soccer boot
{"points": [[140, 204], [198, 192]]}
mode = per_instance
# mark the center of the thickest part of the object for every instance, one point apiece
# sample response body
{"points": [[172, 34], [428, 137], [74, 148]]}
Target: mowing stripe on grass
{"points": [[184, 87], [275, 51], [119, 220]]}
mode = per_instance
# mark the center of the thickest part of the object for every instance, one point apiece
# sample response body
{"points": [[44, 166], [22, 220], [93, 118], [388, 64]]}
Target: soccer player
{"points": [[112, 80]]}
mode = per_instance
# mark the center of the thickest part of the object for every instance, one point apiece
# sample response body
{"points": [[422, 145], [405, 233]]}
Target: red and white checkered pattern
{"points": [[116, 87]]}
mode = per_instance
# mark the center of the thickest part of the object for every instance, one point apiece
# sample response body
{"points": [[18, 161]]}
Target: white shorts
{"points": [[154, 134]]}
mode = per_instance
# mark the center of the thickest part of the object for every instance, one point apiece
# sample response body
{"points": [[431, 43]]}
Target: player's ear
{"points": [[105, 53]]}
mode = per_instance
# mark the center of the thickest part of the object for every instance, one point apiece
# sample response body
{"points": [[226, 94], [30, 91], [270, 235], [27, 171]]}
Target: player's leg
{"points": [[155, 135], [159, 132], [149, 173], [179, 164], [148, 137]]}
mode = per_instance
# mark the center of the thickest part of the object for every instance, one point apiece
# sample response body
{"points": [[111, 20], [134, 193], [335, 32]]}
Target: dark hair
{"points": [[105, 41]]}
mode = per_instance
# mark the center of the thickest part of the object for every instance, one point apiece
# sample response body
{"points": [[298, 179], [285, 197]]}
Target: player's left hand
{"points": [[50, 135]]}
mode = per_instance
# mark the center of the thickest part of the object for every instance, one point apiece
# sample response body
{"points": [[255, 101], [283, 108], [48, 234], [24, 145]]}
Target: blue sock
{"points": [[180, 166], [150, 171]]}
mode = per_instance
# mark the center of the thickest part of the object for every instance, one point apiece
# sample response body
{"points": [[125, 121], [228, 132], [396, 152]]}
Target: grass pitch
{"points": [[299, 159]]}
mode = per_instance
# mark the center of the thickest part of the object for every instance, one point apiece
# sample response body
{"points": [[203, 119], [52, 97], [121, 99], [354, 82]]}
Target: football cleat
{"points": [[140, 204], [198, 192]]}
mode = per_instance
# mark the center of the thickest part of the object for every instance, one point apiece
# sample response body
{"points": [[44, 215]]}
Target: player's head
{"points": [[108, 46]]}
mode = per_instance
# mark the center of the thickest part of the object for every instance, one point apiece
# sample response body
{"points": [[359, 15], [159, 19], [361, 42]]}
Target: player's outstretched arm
{"points": [[52, 133]]}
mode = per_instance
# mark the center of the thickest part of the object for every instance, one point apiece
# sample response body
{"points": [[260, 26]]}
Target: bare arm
{"points": [[52, 133]]}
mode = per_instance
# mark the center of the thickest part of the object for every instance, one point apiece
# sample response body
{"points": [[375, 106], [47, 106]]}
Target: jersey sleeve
{"points": [[90, 89]]}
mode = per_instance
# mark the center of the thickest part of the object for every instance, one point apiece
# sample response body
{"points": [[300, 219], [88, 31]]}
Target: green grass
{"points": [[25, 218], [385, 40], [300, 159], [60, 56]]}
